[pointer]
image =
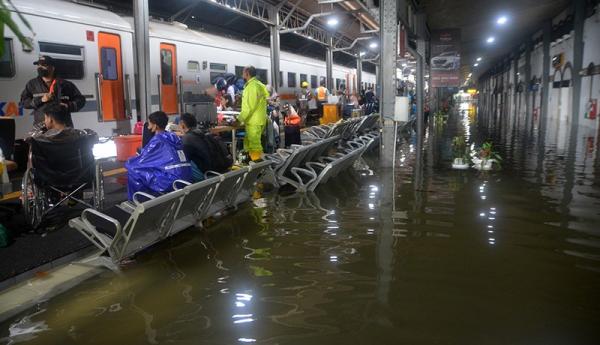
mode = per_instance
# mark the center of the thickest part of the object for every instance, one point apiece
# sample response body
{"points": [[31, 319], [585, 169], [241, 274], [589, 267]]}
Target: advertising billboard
{"points": [[445, 58]]}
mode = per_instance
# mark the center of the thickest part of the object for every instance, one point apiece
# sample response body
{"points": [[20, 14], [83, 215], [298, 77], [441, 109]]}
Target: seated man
{"points": [[55, 127], [204, 151], [160, 163]]}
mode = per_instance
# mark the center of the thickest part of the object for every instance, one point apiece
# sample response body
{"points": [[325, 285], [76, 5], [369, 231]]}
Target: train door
{"points": [[110, 79], [168, 78]]}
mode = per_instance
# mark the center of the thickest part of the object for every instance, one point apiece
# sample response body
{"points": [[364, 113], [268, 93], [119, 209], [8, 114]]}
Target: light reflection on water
{"points": [[436, 256]]}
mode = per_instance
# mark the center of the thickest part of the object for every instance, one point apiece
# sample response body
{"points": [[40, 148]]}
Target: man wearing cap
{"points": [[47, 88]]}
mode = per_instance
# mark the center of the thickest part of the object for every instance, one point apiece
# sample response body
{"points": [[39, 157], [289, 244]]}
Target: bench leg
{"points": [[99, 260]]}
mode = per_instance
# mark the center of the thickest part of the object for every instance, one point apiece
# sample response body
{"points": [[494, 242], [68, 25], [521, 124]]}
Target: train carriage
{"points": [[94, 48]]}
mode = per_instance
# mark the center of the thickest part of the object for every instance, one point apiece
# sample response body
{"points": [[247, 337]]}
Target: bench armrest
{"points": [[180, 184], [138, 195], [114, 222]]}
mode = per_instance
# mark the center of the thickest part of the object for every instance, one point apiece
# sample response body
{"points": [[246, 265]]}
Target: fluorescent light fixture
{"points": [[404, 65], [362, 53], [491, 39], [478, 59], [501, 20], [475, 64], [332, 21], [373, 45]]}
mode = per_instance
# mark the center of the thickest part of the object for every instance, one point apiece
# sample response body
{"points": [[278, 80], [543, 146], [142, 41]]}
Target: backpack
{"points": [[214, 154], [239, 85], [230, 78], [220, 158]]}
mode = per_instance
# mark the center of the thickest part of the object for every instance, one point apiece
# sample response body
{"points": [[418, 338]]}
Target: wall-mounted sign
{"points": [[558, 60], [445, 58]]}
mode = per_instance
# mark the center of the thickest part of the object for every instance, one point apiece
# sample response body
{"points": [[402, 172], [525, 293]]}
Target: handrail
{"points": [[99, 107], [128, 111], [159, 92]]}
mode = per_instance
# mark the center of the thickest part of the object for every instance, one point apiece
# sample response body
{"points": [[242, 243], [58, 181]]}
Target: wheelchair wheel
{"points": [[32, 200]]}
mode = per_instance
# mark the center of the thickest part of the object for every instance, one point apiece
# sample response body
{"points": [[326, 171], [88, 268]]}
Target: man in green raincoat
{"points": [[254, 112]]}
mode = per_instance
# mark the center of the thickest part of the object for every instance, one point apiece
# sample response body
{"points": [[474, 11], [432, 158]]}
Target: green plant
{"points": [[7, 20], [487, 152], [459, 148]]}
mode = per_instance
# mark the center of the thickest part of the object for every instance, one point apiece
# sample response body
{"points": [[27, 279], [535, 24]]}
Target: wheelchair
{"points": [[58, 173]]}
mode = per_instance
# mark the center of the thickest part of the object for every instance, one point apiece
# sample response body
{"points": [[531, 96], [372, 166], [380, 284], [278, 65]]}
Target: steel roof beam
{"points": [[254, 9], [353, 43], [307, 23]]}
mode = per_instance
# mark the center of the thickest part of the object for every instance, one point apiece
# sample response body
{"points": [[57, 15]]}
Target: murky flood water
{"points": [[431, 256]]}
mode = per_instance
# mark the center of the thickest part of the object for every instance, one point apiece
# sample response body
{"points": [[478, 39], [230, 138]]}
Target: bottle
{"points": [[3, 169]]}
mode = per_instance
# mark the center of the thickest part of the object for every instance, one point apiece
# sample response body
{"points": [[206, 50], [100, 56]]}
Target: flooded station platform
{"points": [[490, 257]]}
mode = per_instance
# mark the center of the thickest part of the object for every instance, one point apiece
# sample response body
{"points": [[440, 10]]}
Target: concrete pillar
{"points": [[420, 87], [516, 83], [358, 70], [579, 19], [329, 63], [388, 13], [547, 32], [545, 74], [142, 58], [377, 78], [528, 108], [275, 48]]}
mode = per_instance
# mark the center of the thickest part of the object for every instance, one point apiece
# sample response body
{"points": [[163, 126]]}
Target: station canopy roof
{"points": [[246, 20]]}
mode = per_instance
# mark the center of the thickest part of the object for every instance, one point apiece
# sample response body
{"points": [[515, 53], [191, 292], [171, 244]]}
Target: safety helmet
{"points": [[221, 84], [304, 84]]}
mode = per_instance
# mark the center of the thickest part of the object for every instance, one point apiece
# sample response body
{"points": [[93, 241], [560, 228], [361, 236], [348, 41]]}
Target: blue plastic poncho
{"points": [[161, 162]]}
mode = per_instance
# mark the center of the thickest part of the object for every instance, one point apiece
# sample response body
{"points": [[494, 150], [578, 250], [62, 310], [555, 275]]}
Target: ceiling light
{"points": [[332, 22], [491, 39], [502, 20], [362, 53], [478, 59], [476, 64], [403, 65], [373, 45]]}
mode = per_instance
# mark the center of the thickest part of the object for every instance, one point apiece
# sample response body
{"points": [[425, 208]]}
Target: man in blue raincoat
{"points": [[161, 161]]}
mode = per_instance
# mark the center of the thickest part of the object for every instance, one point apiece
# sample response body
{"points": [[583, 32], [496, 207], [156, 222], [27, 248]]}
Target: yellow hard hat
{"points": [[304, 84]]}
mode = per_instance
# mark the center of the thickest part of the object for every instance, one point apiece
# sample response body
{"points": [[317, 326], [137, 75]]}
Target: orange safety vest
{"points": [[322, 93]]}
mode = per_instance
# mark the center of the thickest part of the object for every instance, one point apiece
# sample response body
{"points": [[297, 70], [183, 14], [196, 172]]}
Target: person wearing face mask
{"points": [[46, 88], [160, 163]]}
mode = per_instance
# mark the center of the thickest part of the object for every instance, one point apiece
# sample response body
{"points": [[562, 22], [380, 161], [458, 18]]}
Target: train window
{"points": [[291, 79], [193, 65], [7, 62], [218, 67], [108, 61], [313, 81], [280, 79], [323, 81], [262, 75], [68, 59], [303, 77], [338, 82], [214, 75], [166, 66], [239, 71]]}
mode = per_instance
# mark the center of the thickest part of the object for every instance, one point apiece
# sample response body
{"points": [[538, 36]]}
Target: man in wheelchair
{"points": [[61, 166]]}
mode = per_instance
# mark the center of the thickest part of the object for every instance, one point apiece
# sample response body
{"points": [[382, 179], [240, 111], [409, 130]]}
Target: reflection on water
{"points": [[418, 255]]}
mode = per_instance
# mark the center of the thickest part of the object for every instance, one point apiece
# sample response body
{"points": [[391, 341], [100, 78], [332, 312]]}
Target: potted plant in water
{"points": [[460, 153], [486, 157]]}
